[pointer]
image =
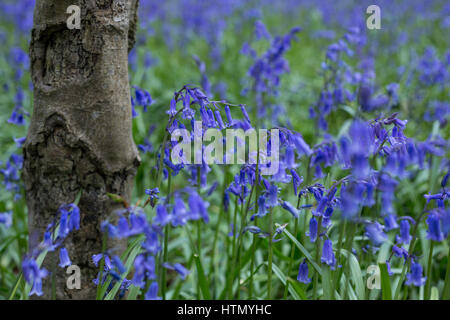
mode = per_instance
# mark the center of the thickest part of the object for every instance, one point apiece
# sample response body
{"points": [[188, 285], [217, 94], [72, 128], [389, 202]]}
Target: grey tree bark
{"points": [[80, 136]]}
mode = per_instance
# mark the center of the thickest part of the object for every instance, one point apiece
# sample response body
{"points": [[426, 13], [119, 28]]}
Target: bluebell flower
{"points": [[390, 222], [151, 243], [162, 217], [182, 271], [290, 208], [245, 114], [326, 222], [360, 148], [47, 243], [434, 228], [229, 117], [198, 207], [303, 273], [17, 116], [64, 260], [272, 196], [179, 213], [153, 195], [117, 263], [146, 146], [143, 97], [415, 275], [134, 113], [290, 158], [152, 293], [144, 266], [388, 266], [219, 120], [261, 31], [313, 225], [301, 146], [262, 208], [34, 275], [69, 220], [296, 181], [374, 231], [328, 254], [11, 173], [97, 257], [348, 201], [138, 224], [445, 219], [6, 219], [19, 142], [404, 237], [400, 252], [445, 180], [279, 230], [233, 230], [252, 229]]}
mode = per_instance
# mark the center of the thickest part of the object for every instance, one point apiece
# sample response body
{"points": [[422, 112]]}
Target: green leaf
{"points": [[204, 285], [297, 294], [356, 273], [133, 292], [296, 287], [327, 284], [446, 290], [434, 293], [16, 285], [136, 249], [344, 285], [386, 289], [304, 251]]}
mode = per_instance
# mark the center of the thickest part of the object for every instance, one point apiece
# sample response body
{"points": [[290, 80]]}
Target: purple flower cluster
{"points": [[67, 220]]}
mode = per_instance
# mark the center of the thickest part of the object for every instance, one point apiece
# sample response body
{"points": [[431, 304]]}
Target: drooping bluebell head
{"points": [[415, 275], [303, 273], [328, 254]]}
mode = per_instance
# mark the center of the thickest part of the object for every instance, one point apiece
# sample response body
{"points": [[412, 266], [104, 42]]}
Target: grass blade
{"points": [[298, 293], [203, 282], [304, 251], [386, 290], [357, 277]]}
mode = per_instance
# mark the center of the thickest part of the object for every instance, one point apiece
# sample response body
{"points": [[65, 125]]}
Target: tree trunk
{"points": [[80, 136]]}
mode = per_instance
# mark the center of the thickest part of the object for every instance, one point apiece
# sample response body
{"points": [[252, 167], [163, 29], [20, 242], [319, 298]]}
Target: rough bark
{"points": [[80, 136]]}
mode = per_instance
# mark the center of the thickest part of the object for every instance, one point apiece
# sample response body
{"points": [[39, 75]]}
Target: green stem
{"points": [[165, 254], [252, 266], [446, 291], [348, 247], [429, 268], [166, 241], [291, 260], [238, 259], [407, 265], [199, 232], [102, 266], [16, 286], [269, 275], [252, 261], [318, 250], [219, 222], [339, 248], [233, 252]]}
